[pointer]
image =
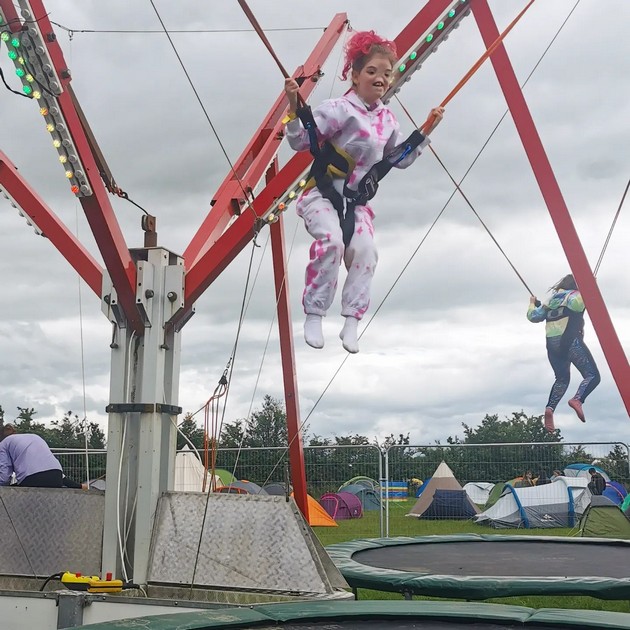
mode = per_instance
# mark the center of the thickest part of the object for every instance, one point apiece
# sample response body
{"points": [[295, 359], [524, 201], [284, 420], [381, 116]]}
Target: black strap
{"points": [[368, 186]]}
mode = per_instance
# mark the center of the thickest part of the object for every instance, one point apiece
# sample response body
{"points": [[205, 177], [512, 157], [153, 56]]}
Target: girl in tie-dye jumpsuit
{"points": [[364, 128], [564, 327]]}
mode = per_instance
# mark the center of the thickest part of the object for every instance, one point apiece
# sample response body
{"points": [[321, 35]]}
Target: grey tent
{"points": [[241, 487], [277, 489], [370, 499], [604, 519]]}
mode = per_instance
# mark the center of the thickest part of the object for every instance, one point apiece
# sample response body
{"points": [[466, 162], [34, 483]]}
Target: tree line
{"points": [[256, 448]]}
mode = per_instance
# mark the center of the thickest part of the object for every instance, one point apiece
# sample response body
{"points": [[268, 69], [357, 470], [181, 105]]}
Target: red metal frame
{"points": [[287, 352], [611, 346], [212, 248], [50, 224], [98, 209], [259, 153]]}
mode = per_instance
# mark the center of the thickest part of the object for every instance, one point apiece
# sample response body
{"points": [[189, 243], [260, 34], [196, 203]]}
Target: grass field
{"points": [[401, 525]]}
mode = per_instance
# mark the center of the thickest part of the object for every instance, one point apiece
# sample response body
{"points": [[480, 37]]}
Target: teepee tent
{"points": [[557, 504], [604, 519], [189, 472], [453, 504]]}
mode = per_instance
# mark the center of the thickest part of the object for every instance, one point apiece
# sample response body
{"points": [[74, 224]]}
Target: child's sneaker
{"points": [[576, 405]]}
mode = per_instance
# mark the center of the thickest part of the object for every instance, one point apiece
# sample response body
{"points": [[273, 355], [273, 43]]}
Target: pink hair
{"points": [[362, 46]]}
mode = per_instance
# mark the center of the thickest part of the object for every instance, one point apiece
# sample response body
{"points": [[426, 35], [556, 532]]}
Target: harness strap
{"points": [[368, 186], [331, 162]]}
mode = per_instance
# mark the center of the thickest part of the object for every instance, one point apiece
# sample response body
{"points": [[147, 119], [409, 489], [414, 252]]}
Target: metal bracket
{"points": [[171, 410]]}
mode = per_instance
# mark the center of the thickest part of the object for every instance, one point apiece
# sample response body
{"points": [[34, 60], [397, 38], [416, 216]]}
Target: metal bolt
{"points": [[172, 296], [149, 293], [107, 299]]}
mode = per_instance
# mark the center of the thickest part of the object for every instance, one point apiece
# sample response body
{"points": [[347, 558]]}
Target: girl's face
{"points": [[373, 80]]}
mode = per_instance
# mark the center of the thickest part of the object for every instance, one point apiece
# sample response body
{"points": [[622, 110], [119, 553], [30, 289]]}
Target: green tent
{"points": [[604, 519], [226, 477], [497, 491], [625, 506]]}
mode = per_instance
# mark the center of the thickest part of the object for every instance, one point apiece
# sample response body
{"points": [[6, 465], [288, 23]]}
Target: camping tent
{"points": [[241, 487], [557, 504], [225, 476], [450, 504], [478, 491], [625, 506], [370, 499], [497, 490], [342, 505], [604, 519], [581, 470], [277, 489], [189, 472], [446, 505], [317, 515], [366, 482], [615, 492]]}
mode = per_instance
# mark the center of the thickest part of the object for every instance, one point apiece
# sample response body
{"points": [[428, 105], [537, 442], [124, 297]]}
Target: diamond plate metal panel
{"points": [[251, 542], [47, 530]]}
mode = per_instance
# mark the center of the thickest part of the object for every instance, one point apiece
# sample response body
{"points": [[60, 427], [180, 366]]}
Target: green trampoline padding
{"points": [[374, 614], [472, 566]]}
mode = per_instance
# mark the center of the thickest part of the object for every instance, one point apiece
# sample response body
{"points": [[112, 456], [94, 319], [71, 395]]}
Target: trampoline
{"points": [[473, 566], [373, 615]]}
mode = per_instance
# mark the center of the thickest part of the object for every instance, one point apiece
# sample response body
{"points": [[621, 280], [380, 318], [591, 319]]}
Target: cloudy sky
{"points": [[451, 342]]}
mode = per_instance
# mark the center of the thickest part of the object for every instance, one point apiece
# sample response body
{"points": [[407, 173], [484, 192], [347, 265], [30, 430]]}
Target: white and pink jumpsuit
{"points": [[366, 134]]}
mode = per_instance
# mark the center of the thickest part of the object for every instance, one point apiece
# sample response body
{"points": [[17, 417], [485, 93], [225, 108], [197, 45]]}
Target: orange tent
{"points": [[317, 515]]}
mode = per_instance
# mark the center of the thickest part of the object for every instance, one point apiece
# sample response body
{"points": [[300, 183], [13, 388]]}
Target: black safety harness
{"points": [[330, 162], [575, 325]]}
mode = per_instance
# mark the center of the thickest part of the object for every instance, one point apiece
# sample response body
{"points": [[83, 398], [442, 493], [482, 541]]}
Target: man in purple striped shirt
{"points": [[28, 456]]}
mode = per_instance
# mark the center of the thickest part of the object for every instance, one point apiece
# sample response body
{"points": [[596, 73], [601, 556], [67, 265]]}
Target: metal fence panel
{"points": [[491, 463]]}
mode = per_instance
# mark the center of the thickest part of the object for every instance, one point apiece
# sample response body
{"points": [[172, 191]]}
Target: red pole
{"points": [[287, 352], [558, 210], [97, 207], [253, 162]]}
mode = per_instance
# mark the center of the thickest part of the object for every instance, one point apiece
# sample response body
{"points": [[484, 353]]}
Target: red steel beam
{"points": [[204, 271], [287, 353], [613, 351], [241, 232], [97, 207], [50, 224], [430, 13], [255, 159]]}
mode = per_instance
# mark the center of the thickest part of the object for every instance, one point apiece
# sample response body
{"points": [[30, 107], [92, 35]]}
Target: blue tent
{"points": [[450, 504], [370, 499], [581, 470], [615, 492]]}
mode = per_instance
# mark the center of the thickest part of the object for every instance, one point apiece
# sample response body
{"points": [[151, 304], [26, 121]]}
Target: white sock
{"points": [[313, 334], [349, 335]]}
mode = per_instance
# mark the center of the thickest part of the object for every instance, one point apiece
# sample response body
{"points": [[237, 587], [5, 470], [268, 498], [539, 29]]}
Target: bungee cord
{"points": [[610, 232]]}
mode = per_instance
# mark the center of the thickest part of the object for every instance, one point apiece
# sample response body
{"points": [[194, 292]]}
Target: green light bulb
{"points": [[451, 13], [20, 72], [4, 36], [440, 26], [429, 37], [12, 54], [27, 89], [15, 42], [402, 67], [413, 55]]}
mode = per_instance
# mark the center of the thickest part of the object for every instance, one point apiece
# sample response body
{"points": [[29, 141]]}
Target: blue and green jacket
{"points": [[564, 315]]}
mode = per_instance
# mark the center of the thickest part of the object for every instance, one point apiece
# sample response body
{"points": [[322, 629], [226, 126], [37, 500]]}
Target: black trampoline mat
{"points": [[503, 559], [396, 624]]}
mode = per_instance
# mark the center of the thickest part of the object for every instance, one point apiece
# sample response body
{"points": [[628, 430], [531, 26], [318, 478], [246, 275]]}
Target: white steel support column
{"points": [[143, 410]]}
